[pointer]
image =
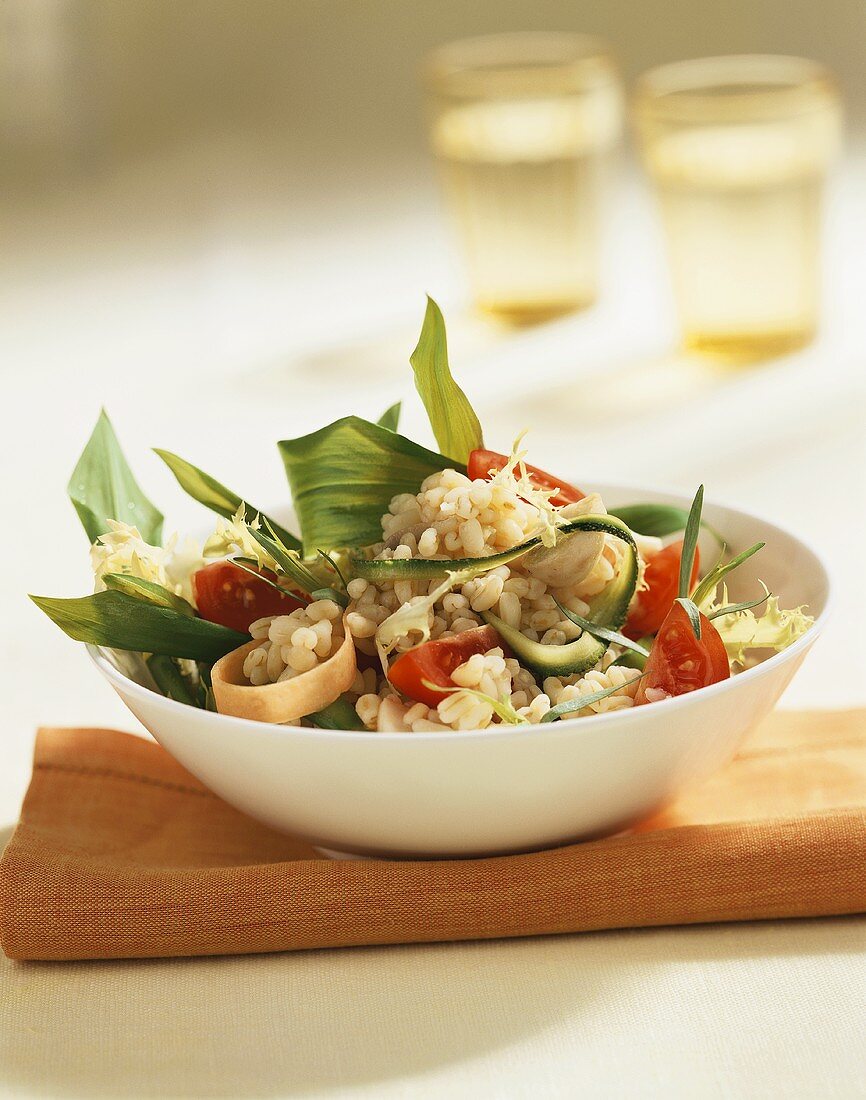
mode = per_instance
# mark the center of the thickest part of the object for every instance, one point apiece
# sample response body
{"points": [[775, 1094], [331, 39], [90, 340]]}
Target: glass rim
{"points": [[732, 86], [515, 62]]}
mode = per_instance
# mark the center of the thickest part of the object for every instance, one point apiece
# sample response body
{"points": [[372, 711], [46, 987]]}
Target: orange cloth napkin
{"points": [[120, 853]]}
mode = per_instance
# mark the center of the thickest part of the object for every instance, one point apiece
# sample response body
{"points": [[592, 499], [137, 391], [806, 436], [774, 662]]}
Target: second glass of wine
{"points": [[523, 126]]}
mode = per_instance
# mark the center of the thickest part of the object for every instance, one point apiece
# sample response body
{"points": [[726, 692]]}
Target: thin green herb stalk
{"points": [[574, 705], [735, 608], [693, 613], [690, 543], [718, 573], [601, 631]]}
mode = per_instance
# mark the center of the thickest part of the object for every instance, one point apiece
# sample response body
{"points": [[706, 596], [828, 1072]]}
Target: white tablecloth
{"points": [[213, 319]]}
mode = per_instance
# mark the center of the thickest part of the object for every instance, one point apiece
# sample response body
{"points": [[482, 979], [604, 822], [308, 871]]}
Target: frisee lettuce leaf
{"points": [[415, 616], [102, 487], [775, 629], [452, 418], [344, 475]]}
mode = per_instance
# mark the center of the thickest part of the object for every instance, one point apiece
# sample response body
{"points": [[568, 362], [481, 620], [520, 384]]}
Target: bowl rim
{"points": [[119, 679]]}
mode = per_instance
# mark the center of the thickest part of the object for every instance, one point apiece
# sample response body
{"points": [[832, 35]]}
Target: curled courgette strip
{"points": [[409, 569], [286, 700]]}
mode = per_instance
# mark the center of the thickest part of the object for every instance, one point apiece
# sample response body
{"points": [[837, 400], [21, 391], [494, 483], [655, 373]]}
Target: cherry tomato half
{"points": [[481, 463], [679, 662], [228, 595], [435, 661], [662, 578]]}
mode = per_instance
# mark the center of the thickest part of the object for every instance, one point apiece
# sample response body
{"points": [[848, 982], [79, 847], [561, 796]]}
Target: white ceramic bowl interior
{"points": [[503, 789]]}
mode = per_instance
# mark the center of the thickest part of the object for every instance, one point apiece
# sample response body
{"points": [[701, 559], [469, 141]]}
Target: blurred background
{"points": [[219, 219]]}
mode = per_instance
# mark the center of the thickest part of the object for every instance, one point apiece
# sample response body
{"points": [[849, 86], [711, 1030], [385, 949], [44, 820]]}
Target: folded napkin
{"points": [[120, 853]]}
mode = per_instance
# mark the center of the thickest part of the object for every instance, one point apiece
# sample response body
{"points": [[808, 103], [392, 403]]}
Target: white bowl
{"points": [[503, 789]]}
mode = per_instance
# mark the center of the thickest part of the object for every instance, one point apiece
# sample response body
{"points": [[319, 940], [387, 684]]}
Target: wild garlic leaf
{"points": [[147, 590], [390, 418], [214, 495], [102, 487], [344, 475], [657, 519], [452, 418], [120, 621]]}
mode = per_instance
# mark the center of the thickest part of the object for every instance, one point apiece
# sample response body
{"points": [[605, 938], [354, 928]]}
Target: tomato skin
{"points": [[679, 662], [436, 660], [481, 462], [228, 595], [654, 602]]}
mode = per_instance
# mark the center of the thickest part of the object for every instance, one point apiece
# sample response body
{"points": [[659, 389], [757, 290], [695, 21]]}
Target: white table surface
{"points": [[212, 317]]}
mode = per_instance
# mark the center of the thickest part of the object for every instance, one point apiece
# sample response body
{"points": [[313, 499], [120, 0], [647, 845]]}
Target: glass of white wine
{"points": [[523, 126], [738, 149]]}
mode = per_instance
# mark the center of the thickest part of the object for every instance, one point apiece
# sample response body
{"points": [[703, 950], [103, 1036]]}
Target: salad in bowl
{"points": [[421, 591]]}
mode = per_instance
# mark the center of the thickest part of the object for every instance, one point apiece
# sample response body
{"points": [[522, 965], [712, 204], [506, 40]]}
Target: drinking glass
{"points": [[522, 127], [738, 149]]}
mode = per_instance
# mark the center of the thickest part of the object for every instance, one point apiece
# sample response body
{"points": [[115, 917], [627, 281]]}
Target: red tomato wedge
{"points": [[435, 661], [226, 594], [662, 578], [481, 463], [679, 662]]}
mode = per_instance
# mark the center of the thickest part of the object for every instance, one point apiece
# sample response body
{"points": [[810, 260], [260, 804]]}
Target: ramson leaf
{"points": [[147, 590], [121, 621], [452, 418], [214, 495], [344, 475], [102, 487], [657, 519], [390, 418]]}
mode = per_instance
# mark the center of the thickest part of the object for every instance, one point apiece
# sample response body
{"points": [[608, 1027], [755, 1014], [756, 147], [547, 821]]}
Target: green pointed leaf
{"points": [[344, 475], [575, 705], [694, 615], [690, 546], [214, 495], [452, 418], [390, 418], [736, 608], [149, 591], [120, 621], [718, 573], [657, 519], [171, 681], [102, 487], [339, 715], [602, 632]]}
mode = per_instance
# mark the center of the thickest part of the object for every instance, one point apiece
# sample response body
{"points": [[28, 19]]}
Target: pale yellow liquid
{"points": [[524, 181], [742, 212]]}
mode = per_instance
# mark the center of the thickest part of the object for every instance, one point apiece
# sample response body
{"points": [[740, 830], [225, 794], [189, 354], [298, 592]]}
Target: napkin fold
{"points": [[120, 853]]}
